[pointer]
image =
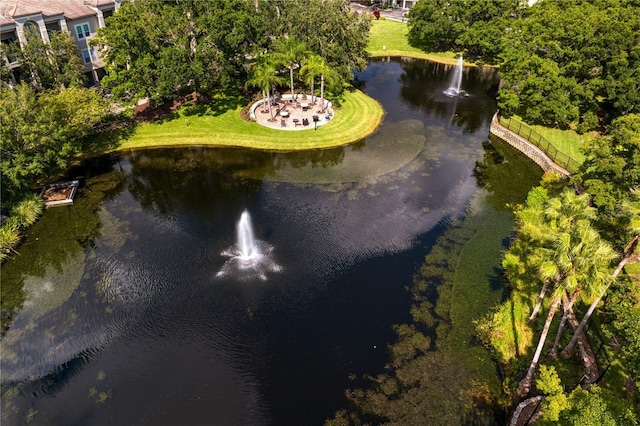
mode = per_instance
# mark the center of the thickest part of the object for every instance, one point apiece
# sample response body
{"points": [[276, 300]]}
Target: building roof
{"points": [[71, 9]]}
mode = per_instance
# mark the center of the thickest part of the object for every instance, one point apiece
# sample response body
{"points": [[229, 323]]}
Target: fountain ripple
{"points": [[250, 259]]}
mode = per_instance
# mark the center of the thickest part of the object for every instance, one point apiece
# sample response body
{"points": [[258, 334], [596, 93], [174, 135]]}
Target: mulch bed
{"points": [[144, 113]]}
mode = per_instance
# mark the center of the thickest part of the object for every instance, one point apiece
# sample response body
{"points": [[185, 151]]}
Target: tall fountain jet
{"points": [[246, 242], [249, 258], [456, 81]]}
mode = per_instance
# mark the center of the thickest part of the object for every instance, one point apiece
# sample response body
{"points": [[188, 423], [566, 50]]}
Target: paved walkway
{"points": [[397, 13]]}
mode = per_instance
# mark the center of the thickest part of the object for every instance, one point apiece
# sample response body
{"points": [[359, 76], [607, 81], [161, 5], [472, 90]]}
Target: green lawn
{"points": [[221, 124], [567, 142], [393, 36]]}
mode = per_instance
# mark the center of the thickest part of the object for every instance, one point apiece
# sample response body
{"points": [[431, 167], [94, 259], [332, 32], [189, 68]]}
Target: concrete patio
{"points": [[295, 113]]}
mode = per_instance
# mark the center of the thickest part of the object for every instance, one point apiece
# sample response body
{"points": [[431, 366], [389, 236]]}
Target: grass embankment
{"points": [[357, 117], [567, 141], [221, 124], [389, 38]]}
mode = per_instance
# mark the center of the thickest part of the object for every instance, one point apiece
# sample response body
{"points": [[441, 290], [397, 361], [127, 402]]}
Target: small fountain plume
{"points": [[249, 258], [456, 81], [246, 242]]}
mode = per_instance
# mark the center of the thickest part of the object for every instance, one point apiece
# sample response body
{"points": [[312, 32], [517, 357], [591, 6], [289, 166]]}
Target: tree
{"points": [[327, 27], [50, 65], [264, 77], [555, 400], [525, 383], [620, 319], [522, 261], [160, 49], [585, 50], [312, 66], [41, 133], [290, 53], [327, 75], [585, 258], [610, 171], [572, 257], [474, 28], [630, 255], [543, 94], [594, 406], [588, 408]]}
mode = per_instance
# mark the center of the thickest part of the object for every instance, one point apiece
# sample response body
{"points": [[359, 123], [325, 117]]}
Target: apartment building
{"points": [[81, 18]]}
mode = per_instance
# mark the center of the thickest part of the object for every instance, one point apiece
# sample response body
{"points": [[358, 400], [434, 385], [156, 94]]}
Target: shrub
{"points": [[28, 210], [22, 215], [9, 237]]}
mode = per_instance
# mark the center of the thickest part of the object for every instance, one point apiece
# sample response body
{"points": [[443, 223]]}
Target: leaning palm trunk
{"points": [[525, 384], [567, 305], [568, 350], [534, 314]]}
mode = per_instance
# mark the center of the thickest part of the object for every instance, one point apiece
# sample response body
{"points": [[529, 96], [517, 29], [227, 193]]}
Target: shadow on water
{"points": [[501, 163]]}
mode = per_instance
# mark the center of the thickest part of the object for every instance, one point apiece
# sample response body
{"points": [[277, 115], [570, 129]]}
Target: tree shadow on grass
{"points": [[215, 103], [109, 138]]}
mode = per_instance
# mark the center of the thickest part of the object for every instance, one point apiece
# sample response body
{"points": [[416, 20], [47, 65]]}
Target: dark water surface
{"points": [[124, 319]]}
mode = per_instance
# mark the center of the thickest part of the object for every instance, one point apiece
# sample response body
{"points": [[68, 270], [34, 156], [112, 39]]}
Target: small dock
{"points": [[59, 194]]}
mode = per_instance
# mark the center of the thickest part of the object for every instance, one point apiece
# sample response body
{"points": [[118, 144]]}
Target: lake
{"points": [[125, 307]]}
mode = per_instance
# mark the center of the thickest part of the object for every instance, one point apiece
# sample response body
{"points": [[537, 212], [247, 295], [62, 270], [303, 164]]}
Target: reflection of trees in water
{"points": [[316, 158], [502, 163], [62, 234], [423, 83], [161, 179]]}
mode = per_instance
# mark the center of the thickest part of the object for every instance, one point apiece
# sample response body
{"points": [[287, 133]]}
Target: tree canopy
{"points": [[159, 49], [566, 62], [41, 133], [47, 65], [611, 170], [327, 27], [475, 28]]}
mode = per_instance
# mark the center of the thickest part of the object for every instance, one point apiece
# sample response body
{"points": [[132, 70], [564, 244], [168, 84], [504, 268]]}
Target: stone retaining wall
{"points": [[526, 147]]}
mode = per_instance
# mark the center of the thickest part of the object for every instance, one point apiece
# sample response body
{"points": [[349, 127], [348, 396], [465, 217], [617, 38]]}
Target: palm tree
{"points": [[537, 245], [631, 208], [264, 77], [289, 53], [567, 263], [311, 68], [585, 258], [328, 75], [536, 308]]}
